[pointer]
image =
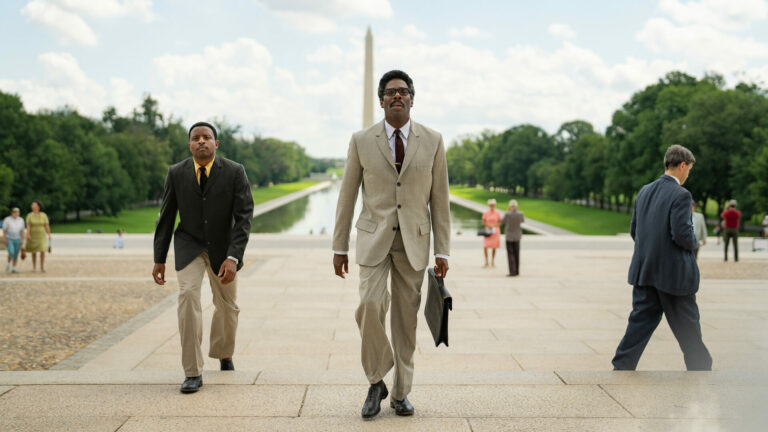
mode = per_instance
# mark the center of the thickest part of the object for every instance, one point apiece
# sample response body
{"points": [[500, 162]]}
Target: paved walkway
{"points": [[529, 353]]}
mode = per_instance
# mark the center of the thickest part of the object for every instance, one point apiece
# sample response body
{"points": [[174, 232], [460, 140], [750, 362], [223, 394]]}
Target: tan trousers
{"points": [[223, 324], [378, 355]]}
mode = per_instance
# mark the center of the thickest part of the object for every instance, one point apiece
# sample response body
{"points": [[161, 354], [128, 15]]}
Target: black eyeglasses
{"points": [[404, 91]]}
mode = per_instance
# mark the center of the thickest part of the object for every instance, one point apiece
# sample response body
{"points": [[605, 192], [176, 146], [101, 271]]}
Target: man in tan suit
{"points": [[403, 171]]}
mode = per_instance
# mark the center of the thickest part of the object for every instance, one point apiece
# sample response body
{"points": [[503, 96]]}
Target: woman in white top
{"points": [[13, 230]]}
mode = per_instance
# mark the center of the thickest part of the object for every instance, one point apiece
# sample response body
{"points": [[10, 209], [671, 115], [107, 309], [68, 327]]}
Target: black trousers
{"points": [[648, 304], [732, 233], [513, 257]]}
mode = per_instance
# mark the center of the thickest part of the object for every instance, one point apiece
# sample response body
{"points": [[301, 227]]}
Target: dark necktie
{"points": [[203, 178], [399, 150]]}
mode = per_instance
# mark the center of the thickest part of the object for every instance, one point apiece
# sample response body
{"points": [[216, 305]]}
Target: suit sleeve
{"points": [[345, 207], [439, 202], [633, 223], [681, 221], [164, 228], [242, 215]]}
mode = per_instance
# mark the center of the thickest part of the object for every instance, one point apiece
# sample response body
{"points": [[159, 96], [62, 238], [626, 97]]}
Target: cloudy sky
{"points": [[293, 69]]}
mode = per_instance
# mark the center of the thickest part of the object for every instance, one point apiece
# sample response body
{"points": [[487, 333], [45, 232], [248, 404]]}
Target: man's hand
{"points": [[227, 271], [441, 267], [703, 242], [340, 265], [158, 272]]}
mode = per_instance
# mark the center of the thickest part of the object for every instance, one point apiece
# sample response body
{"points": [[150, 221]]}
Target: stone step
{"points": [[350, 377]]}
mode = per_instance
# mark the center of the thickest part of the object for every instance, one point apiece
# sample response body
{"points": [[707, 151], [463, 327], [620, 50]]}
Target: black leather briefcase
{"points": [[439, 302]]}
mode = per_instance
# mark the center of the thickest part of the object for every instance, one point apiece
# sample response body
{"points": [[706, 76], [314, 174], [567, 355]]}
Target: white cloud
{"points": [[321, 16], [413, 32], [561, 30], [720, 14], [65, 83], [111, 8], [326, 54], [65, 17], [68, 26], [707, 34], [239, 81], [469, 32]]}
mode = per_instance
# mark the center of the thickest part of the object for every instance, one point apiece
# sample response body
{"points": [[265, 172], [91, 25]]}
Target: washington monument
{"points": [[368, 81]]}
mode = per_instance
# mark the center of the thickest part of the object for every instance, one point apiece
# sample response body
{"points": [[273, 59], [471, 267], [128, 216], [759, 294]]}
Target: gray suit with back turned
{"points": [[664, 274]]}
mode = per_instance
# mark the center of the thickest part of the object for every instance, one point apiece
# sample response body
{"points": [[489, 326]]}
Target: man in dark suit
{"points": [[663, 271], [214, 202]]}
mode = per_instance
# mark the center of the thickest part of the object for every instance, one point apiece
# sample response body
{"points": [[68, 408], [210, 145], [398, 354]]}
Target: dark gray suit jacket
{"points": [[662, 228], [216, 220]]}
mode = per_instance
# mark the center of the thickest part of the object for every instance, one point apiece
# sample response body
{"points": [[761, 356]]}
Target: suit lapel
{"points": [[214, 175], [413, 147], [383, 144], [190, 176]]}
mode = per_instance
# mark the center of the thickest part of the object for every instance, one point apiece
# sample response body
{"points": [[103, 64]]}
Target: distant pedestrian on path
{"points": [[731, 218], [513, 232], [402, 168], [491, 222], [38, 234], [699, 228], [663, 269], [119, 239], [13, 236], [213, 199]]}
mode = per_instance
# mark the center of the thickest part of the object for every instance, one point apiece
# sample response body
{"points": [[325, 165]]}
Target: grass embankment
{"points": [[571, 217], [142, 220]]}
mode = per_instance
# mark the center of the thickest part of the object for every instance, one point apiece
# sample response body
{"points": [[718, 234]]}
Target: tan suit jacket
{"points": [[415, 200]]}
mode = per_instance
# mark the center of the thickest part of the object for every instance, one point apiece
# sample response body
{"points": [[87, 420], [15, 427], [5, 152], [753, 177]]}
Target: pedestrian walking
{"points": [[14, 230], [492, 224], [213, 199], [731, 220], [118, 243], [513, 232], [38, 234], [663, 270], [699, 229], [402, 168]]}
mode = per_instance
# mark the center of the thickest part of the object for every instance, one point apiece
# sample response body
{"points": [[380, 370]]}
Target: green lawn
{"points": [[571, 217], [143, 220], [338, 171]]}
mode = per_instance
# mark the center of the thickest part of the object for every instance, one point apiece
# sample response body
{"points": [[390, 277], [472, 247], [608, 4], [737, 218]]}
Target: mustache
{"points": [[397, 103]]}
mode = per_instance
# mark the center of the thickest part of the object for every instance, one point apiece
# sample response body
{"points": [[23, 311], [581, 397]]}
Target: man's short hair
{"points": [[15, 209], [395, 74], [677, 154], [206, 124]]}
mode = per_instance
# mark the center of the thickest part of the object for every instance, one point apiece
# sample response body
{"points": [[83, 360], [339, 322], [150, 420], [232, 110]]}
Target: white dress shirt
{"points": [[405, 131]]}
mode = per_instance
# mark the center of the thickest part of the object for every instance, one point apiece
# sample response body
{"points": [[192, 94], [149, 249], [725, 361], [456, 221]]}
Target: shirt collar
{"points": [[207, 166], [678, 181], [405, 130]]}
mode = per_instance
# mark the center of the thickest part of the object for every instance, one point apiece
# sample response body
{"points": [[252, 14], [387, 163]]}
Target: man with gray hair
{"points": [[663, 271], [513, 233]]}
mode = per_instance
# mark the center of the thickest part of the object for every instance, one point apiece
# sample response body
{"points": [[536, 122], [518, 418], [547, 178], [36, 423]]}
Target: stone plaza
{"points": [[526, 353]]}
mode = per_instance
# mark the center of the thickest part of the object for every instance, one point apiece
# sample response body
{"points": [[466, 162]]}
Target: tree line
{"points": [[73, 163], [726, 129]]}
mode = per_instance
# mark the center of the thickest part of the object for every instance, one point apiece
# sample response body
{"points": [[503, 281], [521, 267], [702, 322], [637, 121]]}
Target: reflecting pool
{"points": [[316, 214]]}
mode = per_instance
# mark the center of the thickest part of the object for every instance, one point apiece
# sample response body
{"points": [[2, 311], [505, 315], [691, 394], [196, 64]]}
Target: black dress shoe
{"points": [[226, 364], [401, 407], [192, 384], [376, 393]]}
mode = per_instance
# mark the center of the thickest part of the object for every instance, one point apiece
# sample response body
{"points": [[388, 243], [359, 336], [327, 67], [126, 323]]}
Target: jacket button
{"points": [[399, 206], [203, 198], [394, 228], [398, 183], [206, 221]]}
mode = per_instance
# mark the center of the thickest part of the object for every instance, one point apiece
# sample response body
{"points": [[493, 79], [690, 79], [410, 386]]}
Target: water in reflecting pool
{"points": [[316, 214]]}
